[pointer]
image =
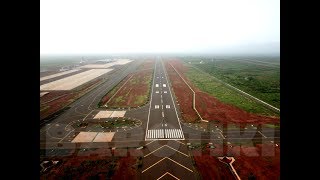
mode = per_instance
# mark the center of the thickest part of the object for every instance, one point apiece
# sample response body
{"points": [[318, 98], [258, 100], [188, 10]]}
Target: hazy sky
{"points": [[116, 26]]}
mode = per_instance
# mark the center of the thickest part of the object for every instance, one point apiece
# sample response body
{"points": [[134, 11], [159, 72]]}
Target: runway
{"points": [[163, 121]]}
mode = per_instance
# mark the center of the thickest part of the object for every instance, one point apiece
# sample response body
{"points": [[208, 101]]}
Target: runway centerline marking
{"points": [[175, 109]]}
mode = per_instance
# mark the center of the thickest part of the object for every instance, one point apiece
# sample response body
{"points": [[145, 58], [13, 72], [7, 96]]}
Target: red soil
{"points": [[226, 160], [211, 168], [262, 166], [86, 167], [209, 107], [263, 160], [133, 88], [185, 98]]}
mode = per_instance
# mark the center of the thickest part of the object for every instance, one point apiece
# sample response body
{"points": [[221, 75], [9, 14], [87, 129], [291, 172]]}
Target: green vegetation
{"points": [[258, 76], [208, 84], [271, 125], [140, 99]]}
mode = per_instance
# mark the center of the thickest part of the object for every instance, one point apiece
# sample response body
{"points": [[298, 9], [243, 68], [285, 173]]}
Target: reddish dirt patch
{"points": [[262, 160], [93, 166], [266, 165], [184, 99], [209, 107], [211, 168], [133, 91], [57, 100]]}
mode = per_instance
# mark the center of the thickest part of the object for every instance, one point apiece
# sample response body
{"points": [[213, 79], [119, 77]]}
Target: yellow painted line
{"points": [[180, 142], [150, 142], [154, 151], [179, 164], [177, 151], [153, 164], [168, 147], [169, 174]]}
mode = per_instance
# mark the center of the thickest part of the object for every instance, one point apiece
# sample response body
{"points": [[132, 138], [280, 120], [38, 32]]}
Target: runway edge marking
{"points": [[154, 75]]}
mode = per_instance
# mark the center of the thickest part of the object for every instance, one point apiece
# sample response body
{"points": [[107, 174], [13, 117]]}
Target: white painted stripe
{"points": [[174, 133], [155, 68], [177, 133], [162, 114], [165, 75]]}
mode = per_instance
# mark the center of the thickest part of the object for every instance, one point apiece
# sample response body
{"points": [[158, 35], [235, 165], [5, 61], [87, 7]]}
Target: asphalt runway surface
{"points": [[161, 132]]}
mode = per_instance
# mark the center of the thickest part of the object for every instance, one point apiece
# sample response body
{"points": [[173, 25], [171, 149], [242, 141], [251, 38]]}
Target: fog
{"points": [[166, 26]]}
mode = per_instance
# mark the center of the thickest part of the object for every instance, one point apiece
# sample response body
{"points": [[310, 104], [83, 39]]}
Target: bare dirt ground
{"points": [[57, 100], [184, 99], [133, 91], [209, 107], [93, 166], [263, 166], [210, 167], [262, 160]]}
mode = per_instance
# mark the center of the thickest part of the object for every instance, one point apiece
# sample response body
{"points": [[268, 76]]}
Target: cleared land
{"points": [[185, 99], [133, 91], [84, 165], [84, 137], [107, 65], [208, 105], [258, 76], [261, 161], [104, 137], [93, 137], [210, 167], [58, 74], [74, 81]]}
